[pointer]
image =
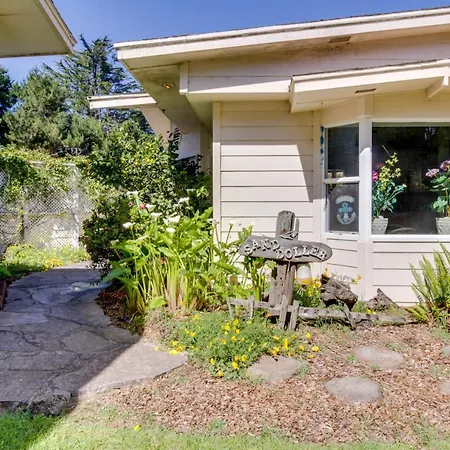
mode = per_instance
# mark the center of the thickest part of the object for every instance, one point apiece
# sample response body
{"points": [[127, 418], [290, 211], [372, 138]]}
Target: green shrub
{"points": [[228, 346], [23, 258], [308, 296], [432, 287], [179, 261]]}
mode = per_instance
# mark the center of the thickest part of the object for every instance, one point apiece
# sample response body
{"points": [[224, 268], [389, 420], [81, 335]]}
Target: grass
{"points": [[21, 431], [23, 259]]}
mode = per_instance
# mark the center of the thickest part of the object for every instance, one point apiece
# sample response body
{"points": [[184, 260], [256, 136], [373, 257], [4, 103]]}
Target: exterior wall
{"points": [[273, 72], [344, 261], [265, 159]]}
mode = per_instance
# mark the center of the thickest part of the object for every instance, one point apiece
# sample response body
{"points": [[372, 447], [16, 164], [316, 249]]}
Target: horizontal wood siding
{"points": [[266, 166], [391, 267], [344, 259]]}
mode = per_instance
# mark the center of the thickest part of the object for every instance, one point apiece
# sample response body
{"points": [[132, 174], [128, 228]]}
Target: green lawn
{"points": [[22, 431]]}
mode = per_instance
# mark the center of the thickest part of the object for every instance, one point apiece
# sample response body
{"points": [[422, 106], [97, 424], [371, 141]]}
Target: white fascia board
{"points": [[178, 49], [58, 23], [369, 77], [122, 101]]}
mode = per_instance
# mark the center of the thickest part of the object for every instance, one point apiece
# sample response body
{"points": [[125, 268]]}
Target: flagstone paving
{"points": [[56, 343]]}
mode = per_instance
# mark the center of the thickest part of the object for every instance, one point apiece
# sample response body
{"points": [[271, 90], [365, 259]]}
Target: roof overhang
{"points": [[158, 121], [316, 91], [174, 50], [122, 101], [33, 27]]}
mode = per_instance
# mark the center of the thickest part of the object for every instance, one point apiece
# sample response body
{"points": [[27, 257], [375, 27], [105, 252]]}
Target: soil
{"points": [[190, 399], [112, 301]]}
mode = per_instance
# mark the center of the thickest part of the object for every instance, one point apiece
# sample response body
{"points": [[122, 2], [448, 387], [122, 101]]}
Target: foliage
{"points": [[7, 100], [20, 259], [309, 295], [228, 346], [432, 287], [42, 120], [177, 261], [384, 188], [31, 173], [132, 160], [92, 71], [440, 183]]}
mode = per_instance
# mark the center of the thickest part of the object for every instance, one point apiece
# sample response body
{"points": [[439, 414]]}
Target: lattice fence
{"points": [[46, 222]]}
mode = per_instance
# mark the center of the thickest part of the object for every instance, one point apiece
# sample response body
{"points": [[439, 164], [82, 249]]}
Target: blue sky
{"points": [[127, 20]]}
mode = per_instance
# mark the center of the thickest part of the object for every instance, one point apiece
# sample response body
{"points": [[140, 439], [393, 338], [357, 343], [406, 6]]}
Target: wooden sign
{"points": [[285, 249]]}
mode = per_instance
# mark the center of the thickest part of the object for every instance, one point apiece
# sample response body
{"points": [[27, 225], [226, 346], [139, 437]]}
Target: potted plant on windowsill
{"points": [[440, 183], [384, 192]]}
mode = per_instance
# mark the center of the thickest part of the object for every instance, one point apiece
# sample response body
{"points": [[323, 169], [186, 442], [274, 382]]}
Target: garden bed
{"points": [[411, 411]]}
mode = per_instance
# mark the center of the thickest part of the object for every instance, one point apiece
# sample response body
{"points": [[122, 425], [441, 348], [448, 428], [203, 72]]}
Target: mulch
{"points": [[189, 399]]}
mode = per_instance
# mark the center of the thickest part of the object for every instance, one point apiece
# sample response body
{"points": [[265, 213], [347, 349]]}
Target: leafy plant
{"points": [[432, 287], [229, 346], [384, 188], [440, 183], [177, 260], [309, 295]]}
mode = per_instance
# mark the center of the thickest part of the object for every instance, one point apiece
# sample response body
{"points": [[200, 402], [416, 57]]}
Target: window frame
{"points": [[364, 181], [335, 181]]}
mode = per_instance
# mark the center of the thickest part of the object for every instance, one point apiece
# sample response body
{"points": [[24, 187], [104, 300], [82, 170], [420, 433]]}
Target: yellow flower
{"points": [[276, 350], [156, 348], [236, 358], [310, 356], [301, 348], [315, 349], [235, 365], [224, 342], [174, 352], [174, 343], [244, 358], [236, 322], [249, 322], [196, 317], [237, 330], [293, 336], [308, 335], [234, 338], [276, 338], [212, 361], [220, 373], [227, 327], [265, 344], [285, 344], [193, 334], [137, 428]]}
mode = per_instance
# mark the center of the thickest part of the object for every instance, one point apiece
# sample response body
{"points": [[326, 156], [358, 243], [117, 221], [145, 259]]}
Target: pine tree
{"points": [[7, 100]]}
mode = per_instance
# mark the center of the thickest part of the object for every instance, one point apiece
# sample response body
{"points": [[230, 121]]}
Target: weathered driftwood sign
{"points": [[289, 253], [287, 250]]}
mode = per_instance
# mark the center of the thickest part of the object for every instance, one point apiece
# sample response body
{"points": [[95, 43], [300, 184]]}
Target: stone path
{"points": [[56, 343]]}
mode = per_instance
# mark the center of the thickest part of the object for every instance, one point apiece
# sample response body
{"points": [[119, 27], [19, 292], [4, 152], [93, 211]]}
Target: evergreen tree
{"points": [[92, 71], [42, 119], [7, 100]]}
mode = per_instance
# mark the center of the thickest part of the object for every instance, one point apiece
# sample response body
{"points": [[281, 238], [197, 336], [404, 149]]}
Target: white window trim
{"points": [[365, 186]]}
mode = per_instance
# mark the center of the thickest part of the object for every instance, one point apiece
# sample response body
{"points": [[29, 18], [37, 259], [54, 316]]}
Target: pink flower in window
{"points": [[375, 176]]}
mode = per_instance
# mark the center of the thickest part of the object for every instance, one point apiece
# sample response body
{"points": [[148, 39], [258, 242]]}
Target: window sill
{"points": [[410, 238], [341, 236]]}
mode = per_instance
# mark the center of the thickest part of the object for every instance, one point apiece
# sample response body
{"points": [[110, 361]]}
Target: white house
{"points": [[301, 115]]}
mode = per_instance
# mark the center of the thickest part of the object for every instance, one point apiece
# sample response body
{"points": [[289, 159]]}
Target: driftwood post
{"points": [[288, 253]]}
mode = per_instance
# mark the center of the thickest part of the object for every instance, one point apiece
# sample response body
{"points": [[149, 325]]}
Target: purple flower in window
{"points": [[433, 172], [445, 165], [375, 176]]}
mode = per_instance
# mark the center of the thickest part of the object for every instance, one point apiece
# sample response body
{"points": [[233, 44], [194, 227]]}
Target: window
{"points": [[341, 179], [402, 154]]}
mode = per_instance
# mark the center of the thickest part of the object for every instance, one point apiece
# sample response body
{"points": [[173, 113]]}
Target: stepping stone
{"points": [[446, 351], [39, 361], [118, 369], [273, 370], [12, 319], [19, 386], [12, 342], [83, 313], [444, 387], [379, 357], [354, 389]]}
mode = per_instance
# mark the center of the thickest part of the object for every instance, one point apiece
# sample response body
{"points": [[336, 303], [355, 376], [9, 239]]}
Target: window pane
{"points": [[343, 207], [343, 151], [402, 155]]}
